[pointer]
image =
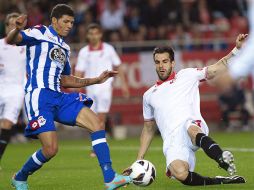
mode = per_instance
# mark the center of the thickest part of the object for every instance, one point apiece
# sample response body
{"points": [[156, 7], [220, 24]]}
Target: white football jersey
{"points": [[12, 64], [173, 102], [94, 62]]}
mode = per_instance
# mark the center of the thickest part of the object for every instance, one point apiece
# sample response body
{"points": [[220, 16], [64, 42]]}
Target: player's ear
{"points": [[53, 20], [173, 63]]}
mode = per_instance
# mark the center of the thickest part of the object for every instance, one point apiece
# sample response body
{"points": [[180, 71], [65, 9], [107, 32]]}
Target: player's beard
{"points": [[165, 75]]}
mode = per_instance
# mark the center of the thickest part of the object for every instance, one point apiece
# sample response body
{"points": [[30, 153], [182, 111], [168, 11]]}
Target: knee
{"points": [[98, 125], [179, 170], [50, 151], [181, 175]]}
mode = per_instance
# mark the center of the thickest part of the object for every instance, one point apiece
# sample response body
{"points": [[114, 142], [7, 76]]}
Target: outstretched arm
{"points": [[146, 138], [14, 36], [70, 81], [221, 66]]}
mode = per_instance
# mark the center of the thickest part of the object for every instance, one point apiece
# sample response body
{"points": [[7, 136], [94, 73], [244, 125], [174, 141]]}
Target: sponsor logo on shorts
{"points": [[41, 120], [36, 124]]}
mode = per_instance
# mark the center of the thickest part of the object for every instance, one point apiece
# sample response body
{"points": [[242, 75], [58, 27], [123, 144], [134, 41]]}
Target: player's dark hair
{"points": [[165, 49], [93, 26], [61, 9], [9, 16]]}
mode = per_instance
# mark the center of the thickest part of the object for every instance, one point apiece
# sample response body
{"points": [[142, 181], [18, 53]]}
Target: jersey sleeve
{"points": [[31, 35], [148, 112], [115, 58], [199, 74], [82, 62]]}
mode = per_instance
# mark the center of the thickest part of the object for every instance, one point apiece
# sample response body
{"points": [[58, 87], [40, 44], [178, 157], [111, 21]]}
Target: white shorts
{"points": [[101, 101], [11, 101], [180, 146]]}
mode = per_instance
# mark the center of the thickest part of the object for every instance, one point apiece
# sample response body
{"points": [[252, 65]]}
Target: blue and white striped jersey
{"points": [[47, 58]]}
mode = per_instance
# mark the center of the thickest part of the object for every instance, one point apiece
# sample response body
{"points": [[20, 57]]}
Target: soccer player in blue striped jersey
{"points": [[48, 69]]}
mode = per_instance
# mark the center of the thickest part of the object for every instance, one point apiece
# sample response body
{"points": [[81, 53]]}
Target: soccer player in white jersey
{"points": [[94, 58], [173, 104], [12, 76], [48, 69]]}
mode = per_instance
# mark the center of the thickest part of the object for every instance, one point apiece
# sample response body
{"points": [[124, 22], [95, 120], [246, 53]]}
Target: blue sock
{"points": [[34, 163], [101, 150]]}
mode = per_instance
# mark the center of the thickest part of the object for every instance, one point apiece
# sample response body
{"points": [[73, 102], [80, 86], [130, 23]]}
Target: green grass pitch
{"points": [[73, 169]]}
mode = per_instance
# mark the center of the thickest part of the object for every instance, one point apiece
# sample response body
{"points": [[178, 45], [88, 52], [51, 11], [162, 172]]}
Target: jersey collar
{"points": [[171, 77], [96, 49], [52, 30]]}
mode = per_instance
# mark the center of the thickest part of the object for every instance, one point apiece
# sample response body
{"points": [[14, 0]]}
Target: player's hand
{"points": [[240, 40], [21, 22], [106, 75]]}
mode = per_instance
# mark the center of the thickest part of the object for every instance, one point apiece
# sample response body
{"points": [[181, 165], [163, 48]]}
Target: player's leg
{"points": [[102, 118], [88, 119], [5, 136], [211, 148], [75, 110], [36, 160], [101, 106], [181, 164], [40, 125], [10, 108], [180, 170]]}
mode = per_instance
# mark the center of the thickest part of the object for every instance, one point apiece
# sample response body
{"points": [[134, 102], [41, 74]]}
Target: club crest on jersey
{"points": [[58, 55]]}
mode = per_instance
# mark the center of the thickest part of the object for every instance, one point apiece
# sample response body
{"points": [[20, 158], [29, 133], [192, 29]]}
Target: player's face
{"points": [[11, 25], [94, 35], [164, 66], [63, 25]]}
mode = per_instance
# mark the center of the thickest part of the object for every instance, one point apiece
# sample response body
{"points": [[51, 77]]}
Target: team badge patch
{"points": [[36, 124], [58, 55]]}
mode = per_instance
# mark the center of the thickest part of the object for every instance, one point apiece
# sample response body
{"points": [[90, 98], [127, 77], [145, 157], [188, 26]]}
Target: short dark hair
{"points": [[9, 16], [93, 26], [165, 49], [61, 9]]}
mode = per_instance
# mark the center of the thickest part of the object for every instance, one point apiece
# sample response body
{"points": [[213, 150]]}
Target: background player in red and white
{"points": [[94, 58], [173, 104], [12, 76]]}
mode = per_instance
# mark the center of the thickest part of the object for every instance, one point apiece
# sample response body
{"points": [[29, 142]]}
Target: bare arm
{"points": [[14, 36], [124, 84], [221, 66], [70, 81], [146, 138]]}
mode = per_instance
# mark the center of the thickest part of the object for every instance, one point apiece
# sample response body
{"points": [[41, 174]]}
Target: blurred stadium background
{"points": [[201, 32]]}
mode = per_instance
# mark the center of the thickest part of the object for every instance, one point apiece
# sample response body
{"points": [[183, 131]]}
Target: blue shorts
{"points": [[44, 106]]}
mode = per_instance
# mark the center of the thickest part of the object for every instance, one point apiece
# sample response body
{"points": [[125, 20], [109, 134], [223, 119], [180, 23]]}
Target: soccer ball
{"points": [[143, 172]]}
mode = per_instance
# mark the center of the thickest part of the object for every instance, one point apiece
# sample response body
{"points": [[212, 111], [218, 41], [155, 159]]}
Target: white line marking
{"points": [[153, 148]]}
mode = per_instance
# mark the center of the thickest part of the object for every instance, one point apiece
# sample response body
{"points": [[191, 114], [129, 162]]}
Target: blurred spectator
{"points": [[133, 19], [153, 14], [142, 19], [34, 15], [181, 39], [112, 16], [234, 101]]}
